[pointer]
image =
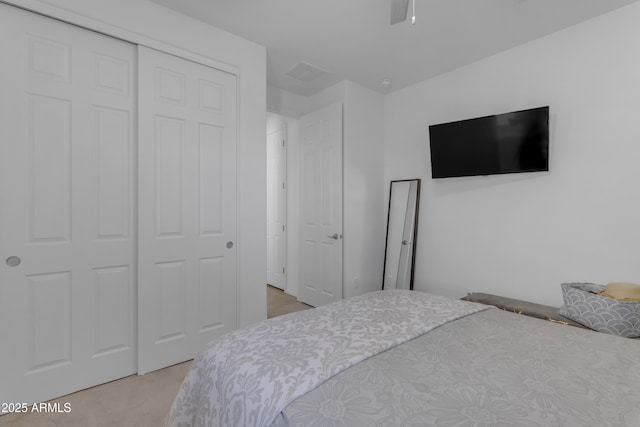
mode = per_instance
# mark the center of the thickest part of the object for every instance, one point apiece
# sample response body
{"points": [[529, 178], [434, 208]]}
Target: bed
{"points": [[409, 358]]}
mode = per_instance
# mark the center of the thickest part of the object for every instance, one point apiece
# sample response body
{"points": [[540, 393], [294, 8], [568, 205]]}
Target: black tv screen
{"points": [[503, 143]]}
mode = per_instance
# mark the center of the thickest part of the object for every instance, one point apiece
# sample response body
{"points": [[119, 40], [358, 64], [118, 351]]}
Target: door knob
{"points": [[334, 236], [229, 245], [13, 261]]}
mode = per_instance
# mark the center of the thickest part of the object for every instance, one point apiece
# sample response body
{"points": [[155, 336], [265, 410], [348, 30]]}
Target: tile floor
{"points": [[134, 401]]}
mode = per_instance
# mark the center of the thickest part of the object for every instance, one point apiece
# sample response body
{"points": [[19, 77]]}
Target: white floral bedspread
{"points": [[490, 369], [247, 377]]}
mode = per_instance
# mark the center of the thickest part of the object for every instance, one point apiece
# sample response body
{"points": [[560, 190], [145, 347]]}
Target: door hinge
{"points": [[283, 142], [283, 185], [282, 270], [282, 227]]}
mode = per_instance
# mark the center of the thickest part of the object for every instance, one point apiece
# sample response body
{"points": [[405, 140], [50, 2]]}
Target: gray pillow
{"points": [[583, 304]]}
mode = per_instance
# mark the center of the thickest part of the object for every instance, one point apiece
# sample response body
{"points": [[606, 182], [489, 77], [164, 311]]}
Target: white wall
{"points": [[285, 103], [364, 208], [521, 235], [146, 23], [364, 212]]}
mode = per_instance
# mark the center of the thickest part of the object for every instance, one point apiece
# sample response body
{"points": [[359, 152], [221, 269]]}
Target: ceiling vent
{"points": [[306, 72]]}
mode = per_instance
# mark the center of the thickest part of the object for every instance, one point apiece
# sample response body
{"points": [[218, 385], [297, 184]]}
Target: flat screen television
{"points": [[503, 143]]}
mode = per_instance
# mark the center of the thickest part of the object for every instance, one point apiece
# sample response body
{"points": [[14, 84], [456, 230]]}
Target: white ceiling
{"points": [[353, 40]]}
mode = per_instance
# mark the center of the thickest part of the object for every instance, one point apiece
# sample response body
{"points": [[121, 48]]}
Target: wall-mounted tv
{"points": [[503, 143]]}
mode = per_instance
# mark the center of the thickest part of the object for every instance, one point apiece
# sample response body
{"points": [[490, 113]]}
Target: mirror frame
{"points": [[415, 229]]}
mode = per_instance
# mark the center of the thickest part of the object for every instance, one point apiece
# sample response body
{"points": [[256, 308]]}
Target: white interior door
{"points": [[321, 206], [67, 234], [187, 207], [276, 208]]}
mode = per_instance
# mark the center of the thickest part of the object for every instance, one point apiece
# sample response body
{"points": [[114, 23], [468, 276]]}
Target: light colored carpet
{"points": [[279, 303], [135, 401]]}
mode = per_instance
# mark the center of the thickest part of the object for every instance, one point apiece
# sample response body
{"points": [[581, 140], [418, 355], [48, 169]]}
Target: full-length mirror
{"points": [[402, 232]]}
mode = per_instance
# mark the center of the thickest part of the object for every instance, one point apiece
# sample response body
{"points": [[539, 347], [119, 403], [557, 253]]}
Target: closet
{"points": [[118, 211]]}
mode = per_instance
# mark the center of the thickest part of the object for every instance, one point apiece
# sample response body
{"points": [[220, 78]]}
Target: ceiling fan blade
{"points": [[399, 9]]}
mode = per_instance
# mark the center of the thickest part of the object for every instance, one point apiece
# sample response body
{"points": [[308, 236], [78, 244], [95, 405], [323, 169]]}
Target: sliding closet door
{"points": [[187, 207], [67, 233]]}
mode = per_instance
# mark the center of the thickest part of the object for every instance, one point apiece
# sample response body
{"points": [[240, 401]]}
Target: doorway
{"points": [[301, 269]]}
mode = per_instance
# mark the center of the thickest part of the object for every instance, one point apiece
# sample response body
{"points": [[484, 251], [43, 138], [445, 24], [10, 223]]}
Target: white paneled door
{"points": [[321, 206], [187, 207], [276, 208], [67, 230]]}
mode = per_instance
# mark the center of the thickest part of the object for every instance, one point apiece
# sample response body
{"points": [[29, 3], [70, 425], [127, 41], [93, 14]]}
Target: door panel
{"points": [[66, 149], [113, 289], [187, 207], [113, 217], [169, 142], [321, 210], [49, 139], [49, 321]]}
